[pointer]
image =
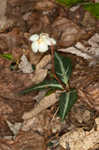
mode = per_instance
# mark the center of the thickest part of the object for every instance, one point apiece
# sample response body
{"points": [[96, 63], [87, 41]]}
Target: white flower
{"points": [[34, 38], [41, 42]]}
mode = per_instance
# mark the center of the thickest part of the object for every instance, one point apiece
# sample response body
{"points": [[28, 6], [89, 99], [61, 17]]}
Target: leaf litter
{"points": [[78, 30]]}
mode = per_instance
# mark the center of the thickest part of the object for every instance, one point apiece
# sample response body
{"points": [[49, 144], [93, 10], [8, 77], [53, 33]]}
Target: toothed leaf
{"points": [[52, 84], [63, 68], [66, 101]]}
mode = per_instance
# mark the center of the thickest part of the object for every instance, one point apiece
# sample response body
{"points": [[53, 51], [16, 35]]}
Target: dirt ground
{"points": [[77, 34]]}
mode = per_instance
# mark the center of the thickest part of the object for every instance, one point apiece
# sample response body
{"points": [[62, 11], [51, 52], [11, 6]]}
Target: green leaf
{"points": [[50, 91], [66, 101], [53, 84], [7, 56], [69, 3], [93, 8], [63, 68]]}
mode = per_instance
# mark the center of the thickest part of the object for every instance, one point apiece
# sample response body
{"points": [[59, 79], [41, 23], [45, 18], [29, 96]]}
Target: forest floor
{"points": [[77, 34]]}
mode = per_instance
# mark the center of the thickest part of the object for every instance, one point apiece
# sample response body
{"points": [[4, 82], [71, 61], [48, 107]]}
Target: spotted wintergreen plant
{"points": [[63, 69], [60, 75]]}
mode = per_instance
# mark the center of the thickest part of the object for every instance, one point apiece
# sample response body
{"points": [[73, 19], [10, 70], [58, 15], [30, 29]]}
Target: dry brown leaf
{"points": [[4, 22], [40, 95], [44, 5], [44, 62], [44, 103], [70, 32], [38, 123], [88, 21], [44, 122], [34, 58], [39, 76], [79, 139], [24, 65], [4, 145], [41, 70], [5, 109], [30, 141], [75, 51], [93, 92], [14, 127], [90, 52], [3, 5]]}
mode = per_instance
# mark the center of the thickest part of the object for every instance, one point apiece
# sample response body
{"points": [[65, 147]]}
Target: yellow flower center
{"points": [[40, 41]]}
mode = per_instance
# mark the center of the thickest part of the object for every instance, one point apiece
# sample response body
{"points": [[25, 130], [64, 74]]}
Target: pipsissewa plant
{"points": [[61, 70]]}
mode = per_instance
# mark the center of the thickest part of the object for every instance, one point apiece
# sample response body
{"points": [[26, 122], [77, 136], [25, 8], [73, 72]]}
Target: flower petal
{"points": [[35, 47], [44, 35], [47, 41], [34, 37], [53, 41], [43, 47]]}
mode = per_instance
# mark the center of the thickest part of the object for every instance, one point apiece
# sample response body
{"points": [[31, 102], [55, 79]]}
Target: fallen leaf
{"points": [[44, 62], [69, 31], [43, 104], [39, 76], [3, 19], [14, 127], [4, 145], [84, 140], [90, 52], [25, 65], [37, 123], [41, 70], [44, 5], [29, 141], [5, 109]]}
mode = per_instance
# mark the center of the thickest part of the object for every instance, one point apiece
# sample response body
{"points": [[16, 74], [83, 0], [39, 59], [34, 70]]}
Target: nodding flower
{"points": [[41, 43]]}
